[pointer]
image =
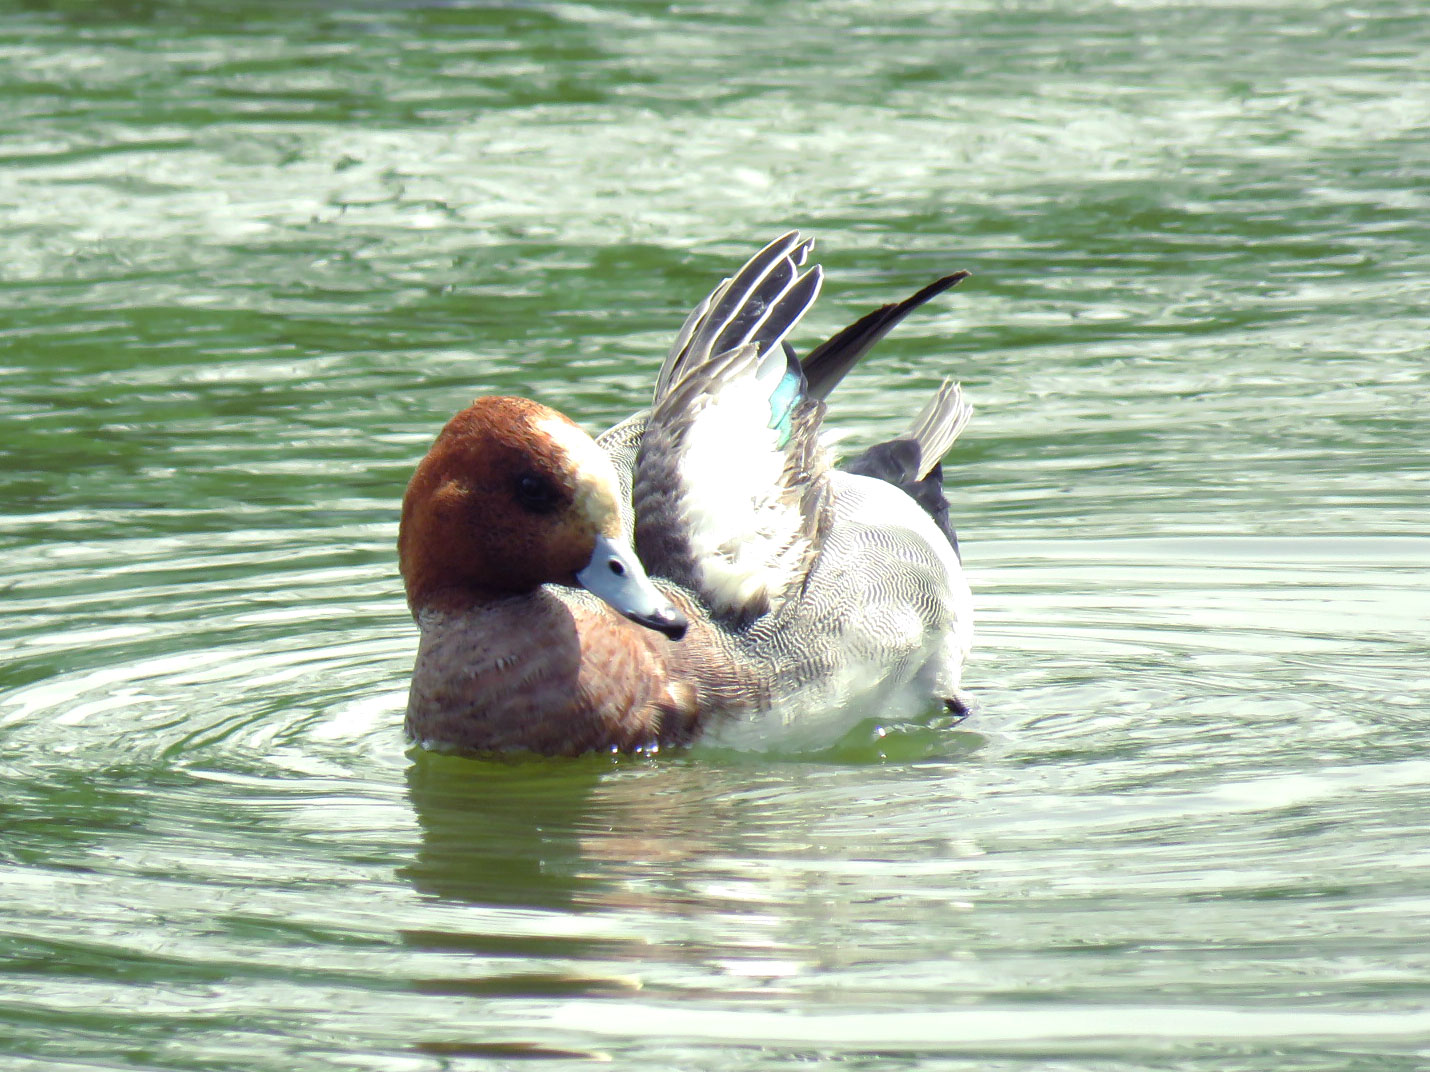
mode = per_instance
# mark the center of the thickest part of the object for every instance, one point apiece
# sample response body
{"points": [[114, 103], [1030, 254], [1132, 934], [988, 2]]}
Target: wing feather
{"points": [[728, 483], [736, 312]]}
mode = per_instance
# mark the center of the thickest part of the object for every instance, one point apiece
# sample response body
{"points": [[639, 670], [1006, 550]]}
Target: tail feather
{"points": [[911, 461], [939, 425]]}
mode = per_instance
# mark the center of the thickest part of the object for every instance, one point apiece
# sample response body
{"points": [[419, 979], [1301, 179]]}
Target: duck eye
{"points": [[617, 567], [537, 494]]}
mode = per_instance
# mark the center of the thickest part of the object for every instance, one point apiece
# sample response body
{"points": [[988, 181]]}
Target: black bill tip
{"points": [[666, 620]]}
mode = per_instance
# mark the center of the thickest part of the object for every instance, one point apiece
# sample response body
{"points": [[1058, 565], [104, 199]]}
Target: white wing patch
{"points": [[720, 503], [744, 528]]}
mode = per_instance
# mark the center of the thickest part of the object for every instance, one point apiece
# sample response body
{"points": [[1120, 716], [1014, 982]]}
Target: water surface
{"points": [[251, 258]]}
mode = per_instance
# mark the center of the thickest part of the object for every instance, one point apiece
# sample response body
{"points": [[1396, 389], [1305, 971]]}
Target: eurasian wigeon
{"points": [[701, 566]]}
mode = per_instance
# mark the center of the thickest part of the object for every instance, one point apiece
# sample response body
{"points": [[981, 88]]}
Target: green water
{"points": [[251, 257]]}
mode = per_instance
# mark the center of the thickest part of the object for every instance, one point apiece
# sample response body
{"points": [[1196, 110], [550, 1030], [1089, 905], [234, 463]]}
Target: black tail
{"points": [[911, 461]]}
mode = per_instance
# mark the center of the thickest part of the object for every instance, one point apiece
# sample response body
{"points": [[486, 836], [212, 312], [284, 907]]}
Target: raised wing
{"points": [[730, 490]]}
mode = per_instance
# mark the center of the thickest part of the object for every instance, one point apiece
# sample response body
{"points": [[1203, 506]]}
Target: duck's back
{"points": [[884, 618]]}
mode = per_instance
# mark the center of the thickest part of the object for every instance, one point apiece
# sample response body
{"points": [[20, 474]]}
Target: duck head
{"points": [[514, 495]]}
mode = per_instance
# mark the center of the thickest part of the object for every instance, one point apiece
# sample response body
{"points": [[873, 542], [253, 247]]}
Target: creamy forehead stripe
{"points": [[595, 476]]}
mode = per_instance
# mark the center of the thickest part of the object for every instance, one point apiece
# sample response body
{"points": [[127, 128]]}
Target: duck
{"points": [[705, 565]]}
